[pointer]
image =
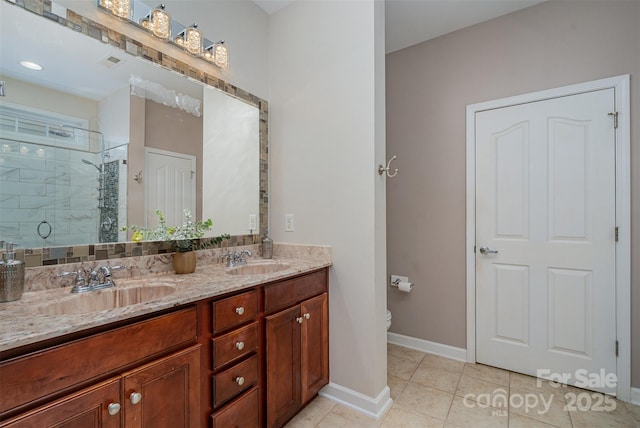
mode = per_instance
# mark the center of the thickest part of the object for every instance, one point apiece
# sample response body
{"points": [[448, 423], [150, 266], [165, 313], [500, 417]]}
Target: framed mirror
{"points": [[102, 137]]}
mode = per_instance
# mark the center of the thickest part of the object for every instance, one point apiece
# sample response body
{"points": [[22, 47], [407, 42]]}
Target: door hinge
{"points": [[617, 347], [617, 234], [615, 119]]}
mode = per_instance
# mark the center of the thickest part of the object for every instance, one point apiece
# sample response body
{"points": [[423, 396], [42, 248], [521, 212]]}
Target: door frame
{"points": [[623, 213]]}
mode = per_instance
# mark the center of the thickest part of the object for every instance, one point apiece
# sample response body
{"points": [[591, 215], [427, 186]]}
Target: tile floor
{"points": [[429, 391]]}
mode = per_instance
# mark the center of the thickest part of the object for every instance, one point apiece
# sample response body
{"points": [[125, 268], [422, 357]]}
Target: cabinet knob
{"points": [[113, 408], [299, 319], [135, 397], [239, 346], [307, 316], [240, 380], [240, 310]]}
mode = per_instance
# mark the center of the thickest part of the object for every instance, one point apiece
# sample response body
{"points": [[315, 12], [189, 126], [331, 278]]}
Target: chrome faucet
{"points": [[91, 280], [236, 258]]}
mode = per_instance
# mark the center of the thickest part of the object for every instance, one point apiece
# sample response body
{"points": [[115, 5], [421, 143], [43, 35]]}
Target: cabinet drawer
{"points": [[244, 412], [46, 372], [234, 345], [234, 310], [287, 293], [230, 382]]}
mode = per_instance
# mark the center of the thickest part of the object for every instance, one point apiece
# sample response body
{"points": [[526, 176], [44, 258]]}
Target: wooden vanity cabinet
{"points": [[131, 376], [297, 344]]}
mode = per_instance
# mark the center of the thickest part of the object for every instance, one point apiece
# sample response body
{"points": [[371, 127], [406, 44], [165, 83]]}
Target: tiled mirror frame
{"points": [[34, 257]]}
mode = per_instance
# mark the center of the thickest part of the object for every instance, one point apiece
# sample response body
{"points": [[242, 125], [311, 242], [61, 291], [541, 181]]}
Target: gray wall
{"points": [[428, 87]]}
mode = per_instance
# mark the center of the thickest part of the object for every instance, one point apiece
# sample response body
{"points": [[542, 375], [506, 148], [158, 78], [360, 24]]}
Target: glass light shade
{"points": [[221, 55], [121, 8], [146, 23], [107, 4], [208, 54], [160, 23], [193, 40], [179, 40]]}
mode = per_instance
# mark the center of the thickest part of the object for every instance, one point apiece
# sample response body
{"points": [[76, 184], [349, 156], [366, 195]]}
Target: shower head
{"points": [[91, 163]]}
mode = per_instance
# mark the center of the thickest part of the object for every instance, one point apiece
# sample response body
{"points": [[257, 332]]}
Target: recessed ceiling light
{"points": [[31, 65]]}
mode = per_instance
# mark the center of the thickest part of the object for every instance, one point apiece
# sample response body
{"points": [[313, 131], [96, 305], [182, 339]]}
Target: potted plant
{"points": [[185, 238]]}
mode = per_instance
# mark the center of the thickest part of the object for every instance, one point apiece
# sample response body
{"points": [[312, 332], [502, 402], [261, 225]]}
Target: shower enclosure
{"points": [[58, 184]]}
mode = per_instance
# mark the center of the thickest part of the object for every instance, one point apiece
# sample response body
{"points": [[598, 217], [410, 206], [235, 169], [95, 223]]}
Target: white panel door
{"points": [[170, 186], [545, 201]]}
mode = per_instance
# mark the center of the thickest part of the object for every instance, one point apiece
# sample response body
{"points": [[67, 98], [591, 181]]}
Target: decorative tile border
{"points": [[34, 257]]}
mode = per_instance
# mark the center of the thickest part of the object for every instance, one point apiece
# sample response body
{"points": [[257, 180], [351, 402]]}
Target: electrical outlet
{"points": [[253, 222], [289, 223], [395, 278]]}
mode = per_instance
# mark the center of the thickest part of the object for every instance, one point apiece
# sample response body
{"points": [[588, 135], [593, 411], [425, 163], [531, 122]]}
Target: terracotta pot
{"points": [[184, 262]]}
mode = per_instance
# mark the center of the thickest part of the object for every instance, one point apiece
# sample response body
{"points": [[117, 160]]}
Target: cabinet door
{"points": [[88, 408], [283, 365], [164, 393], [314, 355]]}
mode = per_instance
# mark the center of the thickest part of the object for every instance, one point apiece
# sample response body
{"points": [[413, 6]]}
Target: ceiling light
{"points": [[31, 65]]}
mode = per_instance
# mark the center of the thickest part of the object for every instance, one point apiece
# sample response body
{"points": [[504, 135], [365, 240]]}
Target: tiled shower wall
{"points": [[48, 196]]}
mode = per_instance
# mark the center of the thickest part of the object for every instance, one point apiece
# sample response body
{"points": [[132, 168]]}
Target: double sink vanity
{"points": [[245, 346]]}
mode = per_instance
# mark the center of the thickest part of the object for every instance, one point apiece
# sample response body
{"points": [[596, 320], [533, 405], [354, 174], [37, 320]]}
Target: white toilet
{"points": [[388, 319]]}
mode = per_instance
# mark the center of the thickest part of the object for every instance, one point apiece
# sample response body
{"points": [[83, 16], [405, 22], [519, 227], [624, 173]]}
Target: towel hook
{"points": [[382, 169]]}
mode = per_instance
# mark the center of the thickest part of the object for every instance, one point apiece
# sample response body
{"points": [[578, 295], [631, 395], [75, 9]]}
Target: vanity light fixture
{"points": [[221, 58], [158, 22], [161, 23], [31, 65], [193, 40], [120, 8]]}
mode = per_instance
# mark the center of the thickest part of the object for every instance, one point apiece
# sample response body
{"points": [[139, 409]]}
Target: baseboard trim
{"points": [[373, 407], [422, 345], [635, 396]]}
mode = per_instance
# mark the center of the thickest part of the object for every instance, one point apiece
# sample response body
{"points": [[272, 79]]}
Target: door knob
{"points": [[240, 310], [239, 380], [487, 250], [240, 346], [299, 320], [307, 316]]}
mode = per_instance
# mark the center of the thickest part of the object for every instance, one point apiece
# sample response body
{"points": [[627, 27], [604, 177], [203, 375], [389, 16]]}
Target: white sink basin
{"points": [[259, 268], [101, 300]]}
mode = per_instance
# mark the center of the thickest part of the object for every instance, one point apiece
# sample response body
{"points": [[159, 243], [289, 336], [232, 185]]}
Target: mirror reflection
{"points": [[99, 139]]}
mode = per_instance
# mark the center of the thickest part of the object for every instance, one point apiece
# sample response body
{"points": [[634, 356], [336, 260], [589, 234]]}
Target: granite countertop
{"points": [[28, 320]]}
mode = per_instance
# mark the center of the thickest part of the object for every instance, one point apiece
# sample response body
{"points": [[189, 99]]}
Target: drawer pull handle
{"points": [[135, 397], [300, 320], [113, 408], [307, 316], [240, 310], [240, 346], [240, 380]]}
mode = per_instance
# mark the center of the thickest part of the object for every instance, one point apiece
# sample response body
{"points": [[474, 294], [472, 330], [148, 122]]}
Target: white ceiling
{"points": [[409, 22]]}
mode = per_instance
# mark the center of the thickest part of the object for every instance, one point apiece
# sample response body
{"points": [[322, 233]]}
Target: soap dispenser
{"points": [[267, 246], [11, 275]]}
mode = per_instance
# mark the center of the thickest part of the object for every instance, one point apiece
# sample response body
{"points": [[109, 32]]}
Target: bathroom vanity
{"points": [[243, 349]]}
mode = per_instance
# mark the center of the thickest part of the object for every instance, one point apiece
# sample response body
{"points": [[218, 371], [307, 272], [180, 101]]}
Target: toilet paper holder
{"points": [[396, 283]]}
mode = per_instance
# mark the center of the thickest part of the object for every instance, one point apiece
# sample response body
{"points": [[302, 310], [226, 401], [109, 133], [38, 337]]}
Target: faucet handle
{"points": [[79, 274]]}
